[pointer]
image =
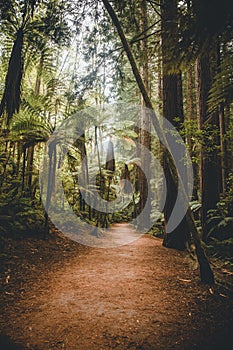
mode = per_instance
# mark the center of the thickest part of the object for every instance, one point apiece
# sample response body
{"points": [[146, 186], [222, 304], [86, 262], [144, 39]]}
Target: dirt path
{"points": [[138, 296]]}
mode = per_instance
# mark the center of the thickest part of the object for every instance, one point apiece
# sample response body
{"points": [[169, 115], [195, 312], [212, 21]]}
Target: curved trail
{"points": [[138, 296]]}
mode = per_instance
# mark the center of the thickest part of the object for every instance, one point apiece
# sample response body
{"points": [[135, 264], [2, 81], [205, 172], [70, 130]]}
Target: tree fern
{"points": [[222, 88]]}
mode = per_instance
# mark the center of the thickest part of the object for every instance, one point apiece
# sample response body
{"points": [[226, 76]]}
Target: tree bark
{"points": [[144, 181], [173, 112], [209, 159], [191, 122], [29, 168], [223, 146], [11, 97]]}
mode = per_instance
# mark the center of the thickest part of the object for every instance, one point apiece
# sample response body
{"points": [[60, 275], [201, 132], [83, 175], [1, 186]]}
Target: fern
{"points": [[222, 88]]}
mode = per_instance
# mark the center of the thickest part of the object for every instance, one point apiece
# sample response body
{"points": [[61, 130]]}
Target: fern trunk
{"points": [[11, 97]]}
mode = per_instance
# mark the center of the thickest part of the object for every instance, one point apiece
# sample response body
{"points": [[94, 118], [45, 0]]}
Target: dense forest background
{"points": [[175, 57], [91, 69]]}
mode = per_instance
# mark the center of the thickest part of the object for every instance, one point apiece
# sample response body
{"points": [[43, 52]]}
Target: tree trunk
{"points": [[222, 131], [172, 109], [11, 97], [80, 143], [223, 146], [160, 83], [52, 151], [29, 168], [229, 153], [209, 160], [144, 181], [191, 120]]}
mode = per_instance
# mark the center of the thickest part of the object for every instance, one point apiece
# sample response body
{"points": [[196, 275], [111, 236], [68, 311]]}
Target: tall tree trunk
{"points": [[23, 169], [80, 143], [110, 166], [206, 273], [19, 154], [160, 81], [229, 153], [172, 109], [11, 96], [209, 160], [222, 130], [29, 169], [144, 181], [223, 146], [191, 120], [52, 151], [100, 218]]}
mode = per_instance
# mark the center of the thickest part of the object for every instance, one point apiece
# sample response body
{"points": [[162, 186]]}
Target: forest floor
{"points": [[58, 294]]}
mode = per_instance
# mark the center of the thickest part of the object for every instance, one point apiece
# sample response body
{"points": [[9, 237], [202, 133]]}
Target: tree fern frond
{"points": [[222, 88]]}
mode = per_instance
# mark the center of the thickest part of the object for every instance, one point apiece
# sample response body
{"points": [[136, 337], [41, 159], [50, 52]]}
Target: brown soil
{"points": [[57, 294]]}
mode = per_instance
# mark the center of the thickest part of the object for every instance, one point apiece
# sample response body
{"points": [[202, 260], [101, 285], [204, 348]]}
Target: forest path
{"points": [[137, 296]]}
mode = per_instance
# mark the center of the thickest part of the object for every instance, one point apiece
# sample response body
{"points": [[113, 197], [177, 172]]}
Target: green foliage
{"points": [[54, 86], [195, 206], [220, 225], [221, 249], [18, 214], [222, 88]]}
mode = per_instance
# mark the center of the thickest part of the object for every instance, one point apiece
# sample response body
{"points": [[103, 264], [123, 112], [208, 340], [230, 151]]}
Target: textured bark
{"points": [[222, 134], [229, 153], [11, 97], [209, 160], [80, 143], [29, 169], [144, 181], [223, 146], [110, 159], [190, 108], [172, 109], [191, 119], [52, 151], [160, 83]]}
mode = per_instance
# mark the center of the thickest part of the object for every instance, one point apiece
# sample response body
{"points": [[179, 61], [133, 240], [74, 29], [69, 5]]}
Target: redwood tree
{"points": [[172, 109]]}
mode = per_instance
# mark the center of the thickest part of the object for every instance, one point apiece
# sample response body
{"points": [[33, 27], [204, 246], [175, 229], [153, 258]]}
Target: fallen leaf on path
{"points": [[7, 278], [227, 272], [184, 280], [223, 295]]}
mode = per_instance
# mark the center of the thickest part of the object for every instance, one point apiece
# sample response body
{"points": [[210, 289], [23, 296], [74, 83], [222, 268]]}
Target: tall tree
{"points": [[191, 125], [172, 110], [209, 125], [144, 181]]}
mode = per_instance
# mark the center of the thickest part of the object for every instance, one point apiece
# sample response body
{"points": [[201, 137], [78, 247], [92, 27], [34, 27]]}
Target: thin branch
{"points": [[145, 37], [146, 30], [132, 41], [154, 8], [155, 2]]}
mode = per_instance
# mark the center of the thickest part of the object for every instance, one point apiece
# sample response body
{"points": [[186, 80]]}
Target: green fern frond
{"points": [[222, 88]]}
